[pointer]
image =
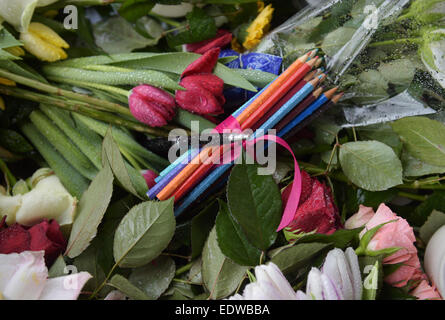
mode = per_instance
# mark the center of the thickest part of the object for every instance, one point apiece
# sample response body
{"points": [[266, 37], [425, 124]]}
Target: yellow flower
{"points": [[258, 28], [236, 45], [44, 43], [260, 5], [17, 51], [2, 104], [7, 82]]}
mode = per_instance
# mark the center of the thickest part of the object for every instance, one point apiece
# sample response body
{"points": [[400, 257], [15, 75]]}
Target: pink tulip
{"points": [[149, 177], [151, 105]]}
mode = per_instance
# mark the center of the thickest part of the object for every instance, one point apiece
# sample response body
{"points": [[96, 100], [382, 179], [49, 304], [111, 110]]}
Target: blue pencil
{"points": [[219, 171]]}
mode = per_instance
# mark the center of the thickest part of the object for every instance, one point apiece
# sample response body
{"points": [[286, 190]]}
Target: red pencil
{"points": [[278, 94], [299, 109]]}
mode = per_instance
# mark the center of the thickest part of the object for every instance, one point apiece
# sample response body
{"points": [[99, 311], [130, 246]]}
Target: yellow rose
{"points": [[258, 28]]}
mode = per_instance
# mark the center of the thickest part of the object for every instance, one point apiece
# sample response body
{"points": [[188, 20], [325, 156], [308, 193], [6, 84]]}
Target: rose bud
{"points": [[204, 90], [151, 105], [316, 211], [222, 39], [43, 236]]}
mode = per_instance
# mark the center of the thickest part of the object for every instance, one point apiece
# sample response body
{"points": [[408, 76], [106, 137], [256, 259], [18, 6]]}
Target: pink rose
{"points": [[394, 234], [425, 292], [359, 219]]}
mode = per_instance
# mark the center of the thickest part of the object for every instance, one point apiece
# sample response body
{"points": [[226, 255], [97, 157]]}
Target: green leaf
{"points": [[88, 261], [342, 238], [232, 241], [7, 40], [127, 288], [58, 268], [293, 258], [201, 27], [129, 177], [325, 131], [435, 221], [91, 210], [154, 278], [257, 77], [221, 275], [14, 141], [436, 201], [132, 77], [383, 133], [177, 62], [413, 167], [143, 233], [255, 203], [135, 9], [371, 165], [201, 225], [424, 138]]}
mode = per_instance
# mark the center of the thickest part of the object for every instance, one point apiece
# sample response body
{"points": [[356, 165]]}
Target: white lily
{"points": [[47, 200], [24, 276]]}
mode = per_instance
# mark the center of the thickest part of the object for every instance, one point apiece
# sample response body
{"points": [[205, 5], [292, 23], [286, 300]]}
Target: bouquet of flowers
{"points": [[91, 208]]}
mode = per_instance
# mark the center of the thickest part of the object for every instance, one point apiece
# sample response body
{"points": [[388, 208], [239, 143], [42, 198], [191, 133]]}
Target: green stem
{"points": [[82, 109], [99, 86], [184, 269], [412, 196], [171, 22], [101, 104], [396, 41]]}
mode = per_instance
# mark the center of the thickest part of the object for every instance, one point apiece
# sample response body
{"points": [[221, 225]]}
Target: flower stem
{"points": [[82, 108], [99, 86], [396, 41], [102, 104], [184, 269]]}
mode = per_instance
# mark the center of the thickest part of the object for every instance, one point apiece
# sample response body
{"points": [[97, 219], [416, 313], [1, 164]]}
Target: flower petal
{"points": [[66, 287], [22, 275]]}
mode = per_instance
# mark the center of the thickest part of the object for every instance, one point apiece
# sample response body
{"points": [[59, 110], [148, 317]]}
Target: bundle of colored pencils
{"points": [[289, 103]]}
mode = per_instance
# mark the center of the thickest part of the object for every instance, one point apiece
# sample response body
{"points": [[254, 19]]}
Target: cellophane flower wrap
{"points": [[387, 55]]}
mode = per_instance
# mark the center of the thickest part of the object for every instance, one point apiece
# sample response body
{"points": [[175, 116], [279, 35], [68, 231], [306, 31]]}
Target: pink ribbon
{"points": [[231, 123]]}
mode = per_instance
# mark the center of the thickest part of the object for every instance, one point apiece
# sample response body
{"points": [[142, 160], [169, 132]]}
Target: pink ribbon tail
{"points": [[291, 206]]}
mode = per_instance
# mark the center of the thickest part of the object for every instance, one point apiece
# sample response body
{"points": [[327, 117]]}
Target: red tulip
{"points": [[222, 39], [317, 211], [151, 105], [43, 236], [204, 94]]}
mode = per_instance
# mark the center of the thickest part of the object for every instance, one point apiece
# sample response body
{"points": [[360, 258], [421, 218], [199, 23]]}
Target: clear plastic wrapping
{"points": [[387, 55]]}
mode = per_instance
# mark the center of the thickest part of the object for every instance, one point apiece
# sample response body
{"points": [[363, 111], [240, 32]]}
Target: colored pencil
{"points": [[324, 98], [311, 75], [314, 116], [300, 108], [204, 155], [200, 173]]}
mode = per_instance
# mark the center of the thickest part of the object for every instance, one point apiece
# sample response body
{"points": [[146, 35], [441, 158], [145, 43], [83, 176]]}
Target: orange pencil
{"points": [[203, 155], [273, 87], [198, 174], [278, 94]]}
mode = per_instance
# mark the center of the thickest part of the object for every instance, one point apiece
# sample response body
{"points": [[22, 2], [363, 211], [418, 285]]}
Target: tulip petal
{"points": [[203, 64]]}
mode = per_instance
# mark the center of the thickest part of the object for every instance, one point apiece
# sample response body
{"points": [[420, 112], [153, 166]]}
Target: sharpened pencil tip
{"points": [[337, 98], [331, 92]]}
